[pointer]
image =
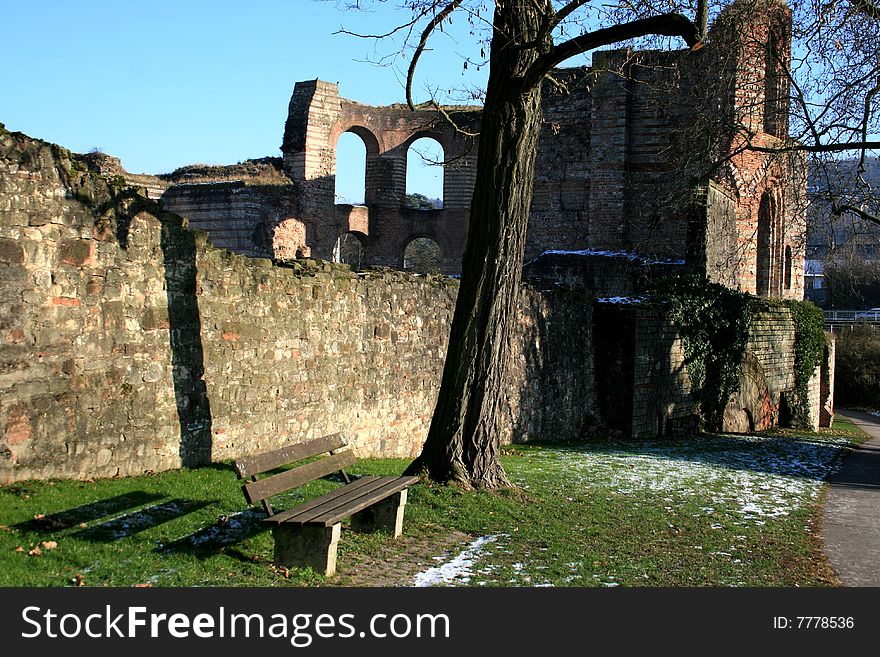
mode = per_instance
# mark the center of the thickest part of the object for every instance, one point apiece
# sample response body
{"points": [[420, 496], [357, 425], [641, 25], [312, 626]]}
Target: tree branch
{"points": [[817, 148], [566, 11], [423, 41], [867, 216], [671, 24], [868, 8]]}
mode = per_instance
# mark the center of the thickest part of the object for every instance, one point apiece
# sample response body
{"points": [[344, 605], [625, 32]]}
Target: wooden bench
{"points": [[308, 535]]}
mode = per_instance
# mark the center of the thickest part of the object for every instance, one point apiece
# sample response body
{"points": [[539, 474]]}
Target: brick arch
{"points": [[371, 141], [770, 238], [408, 144], [351, 247], [423, 260]]}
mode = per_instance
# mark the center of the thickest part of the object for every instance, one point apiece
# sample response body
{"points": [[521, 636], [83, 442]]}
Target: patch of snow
{"points": [[751, 473], [622, 300], [629, 255], [458, 569]]}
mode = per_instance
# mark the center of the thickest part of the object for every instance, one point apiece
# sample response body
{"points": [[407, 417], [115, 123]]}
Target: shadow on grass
{"points": [[88, 512], [133, 523], [228, 530]]}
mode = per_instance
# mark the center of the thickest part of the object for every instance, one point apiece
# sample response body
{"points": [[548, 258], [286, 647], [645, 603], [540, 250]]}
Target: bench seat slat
{"points": [[254, 465], [263, 488], [341, 496], [353, 489], [390, 486]]}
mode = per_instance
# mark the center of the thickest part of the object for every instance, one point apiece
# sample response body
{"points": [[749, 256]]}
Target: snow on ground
{"points": [[623, 300], [762, 477], [759, 478], [456, 571]]}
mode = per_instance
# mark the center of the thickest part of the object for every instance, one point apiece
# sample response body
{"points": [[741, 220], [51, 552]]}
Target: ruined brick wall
{"points": [[318, 116], [130, 344], [632, 144], [247, 218], [628, 160]]}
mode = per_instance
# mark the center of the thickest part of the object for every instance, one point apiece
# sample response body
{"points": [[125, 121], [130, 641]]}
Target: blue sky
{"points": [[165, 83]]}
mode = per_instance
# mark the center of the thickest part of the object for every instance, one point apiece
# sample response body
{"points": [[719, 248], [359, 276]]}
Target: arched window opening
{"points": [[763, 274], [349, 250], [788, 267], [351, 169], [424, 175], [423, 255]]}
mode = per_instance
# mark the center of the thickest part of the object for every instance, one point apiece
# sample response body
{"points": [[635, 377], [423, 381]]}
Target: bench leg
{"points": [[297, 545], [387, 514]]}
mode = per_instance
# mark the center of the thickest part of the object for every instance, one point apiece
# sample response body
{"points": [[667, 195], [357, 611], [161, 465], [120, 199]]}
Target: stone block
{"points": [[76, 252], [387, 514], [303, 546], [11, 252]]}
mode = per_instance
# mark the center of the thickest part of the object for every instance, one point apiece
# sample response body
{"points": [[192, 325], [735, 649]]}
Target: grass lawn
{"points": [[705, 511]]}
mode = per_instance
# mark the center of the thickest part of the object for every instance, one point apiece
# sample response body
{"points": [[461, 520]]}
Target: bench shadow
{"points": [[227, 531], [141, 520], [88, 512]]}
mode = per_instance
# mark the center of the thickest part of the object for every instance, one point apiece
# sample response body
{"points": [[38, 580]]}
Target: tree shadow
{"points": [[185, 332], [227, 531], [179, 250]]}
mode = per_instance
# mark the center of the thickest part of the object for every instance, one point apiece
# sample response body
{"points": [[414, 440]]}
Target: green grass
{"points": [[706, 511], [843, 426]]}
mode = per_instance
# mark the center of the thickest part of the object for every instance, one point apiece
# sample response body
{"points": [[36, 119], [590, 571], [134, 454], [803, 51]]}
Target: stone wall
{"points": [[128, 343]]}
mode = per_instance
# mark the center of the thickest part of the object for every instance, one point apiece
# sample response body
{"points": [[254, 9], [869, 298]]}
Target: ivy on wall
{"points": [[810, 343], [714, 322]]}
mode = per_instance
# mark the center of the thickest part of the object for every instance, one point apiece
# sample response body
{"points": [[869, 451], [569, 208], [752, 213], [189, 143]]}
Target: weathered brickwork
{"points": [[621, 165], [133, 340]]}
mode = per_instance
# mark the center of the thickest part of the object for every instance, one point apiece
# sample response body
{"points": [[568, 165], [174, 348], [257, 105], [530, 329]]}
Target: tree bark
{"points": [[463, 442]]}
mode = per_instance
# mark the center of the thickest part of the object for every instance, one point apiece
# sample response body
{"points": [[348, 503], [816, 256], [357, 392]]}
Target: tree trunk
{"points": [[463, 442]]}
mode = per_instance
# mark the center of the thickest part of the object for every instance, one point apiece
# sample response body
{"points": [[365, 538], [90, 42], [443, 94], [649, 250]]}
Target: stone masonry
{"points": [[128, 343]]}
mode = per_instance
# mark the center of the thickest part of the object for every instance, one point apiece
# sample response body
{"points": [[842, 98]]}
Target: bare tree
{"points": [[463, 442], [830, 87]]}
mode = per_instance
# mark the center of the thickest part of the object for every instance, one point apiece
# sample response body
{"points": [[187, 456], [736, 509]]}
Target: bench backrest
{"points": [[259, 490]]}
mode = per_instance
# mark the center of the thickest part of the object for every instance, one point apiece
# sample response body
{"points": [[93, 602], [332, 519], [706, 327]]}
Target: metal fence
{"points": [[837, 320]]}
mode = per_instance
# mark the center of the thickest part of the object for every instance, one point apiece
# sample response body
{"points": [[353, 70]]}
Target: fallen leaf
{"points": [[78, 580], [19, 549], [50, 545], [143, 586], [35, 552], [82, 525], [5, 528], [39, 516]]}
